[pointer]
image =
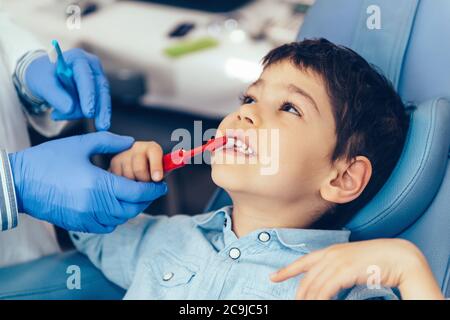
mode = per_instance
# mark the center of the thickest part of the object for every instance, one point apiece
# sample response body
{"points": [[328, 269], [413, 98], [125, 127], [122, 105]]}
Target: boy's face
{"points": [[292, 158]]}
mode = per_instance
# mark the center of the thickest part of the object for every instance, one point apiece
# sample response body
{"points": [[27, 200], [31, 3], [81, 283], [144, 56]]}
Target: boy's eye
{"points": [[289, 107], [246, 99]]}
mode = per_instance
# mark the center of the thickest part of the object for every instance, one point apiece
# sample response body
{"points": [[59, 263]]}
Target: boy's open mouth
{"points": [[239, 146]]}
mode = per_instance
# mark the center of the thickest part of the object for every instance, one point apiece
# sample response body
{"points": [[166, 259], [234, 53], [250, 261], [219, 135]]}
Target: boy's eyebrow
{"points": [[256, 83], [291, 88], [302, 92]]}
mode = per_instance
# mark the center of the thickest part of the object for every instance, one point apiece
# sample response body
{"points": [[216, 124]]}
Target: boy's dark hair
{"points": [[370, 117]]}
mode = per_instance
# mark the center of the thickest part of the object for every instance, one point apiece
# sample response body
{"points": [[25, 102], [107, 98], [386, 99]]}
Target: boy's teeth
{"points": [[230, 143], [239, 146]]}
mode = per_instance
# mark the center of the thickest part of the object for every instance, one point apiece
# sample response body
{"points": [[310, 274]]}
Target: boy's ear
{"points": [[347, 180]]}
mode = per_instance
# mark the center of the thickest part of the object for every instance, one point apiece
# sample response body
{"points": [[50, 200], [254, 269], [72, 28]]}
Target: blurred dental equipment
{"points": [[160, 55]]}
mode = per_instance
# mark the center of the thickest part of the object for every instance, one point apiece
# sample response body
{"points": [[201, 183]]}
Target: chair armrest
{"points": [[46, 278]]}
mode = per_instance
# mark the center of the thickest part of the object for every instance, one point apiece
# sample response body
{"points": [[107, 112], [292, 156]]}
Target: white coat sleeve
{"points": [[15, 42]]}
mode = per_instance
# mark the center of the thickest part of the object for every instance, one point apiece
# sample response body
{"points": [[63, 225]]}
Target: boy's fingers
{"points": [[115, 167], [155, 155], [301, 265], [320, 281], [342, 278], [131, 210], [309, 279], [141, 167], [331, 287], [127, 169]]}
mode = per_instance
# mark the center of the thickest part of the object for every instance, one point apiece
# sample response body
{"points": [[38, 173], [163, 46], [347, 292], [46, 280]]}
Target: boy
{"points": [[340, 128]]}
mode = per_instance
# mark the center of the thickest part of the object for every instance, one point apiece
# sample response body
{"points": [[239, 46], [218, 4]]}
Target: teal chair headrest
{"points": [[415, 179]]}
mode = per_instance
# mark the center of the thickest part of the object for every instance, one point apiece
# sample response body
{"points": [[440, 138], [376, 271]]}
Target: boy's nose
{"points": [[248, 115]]}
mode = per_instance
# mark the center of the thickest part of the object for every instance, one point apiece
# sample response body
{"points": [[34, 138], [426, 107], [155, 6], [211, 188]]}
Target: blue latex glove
{"points": [[56, 182], [92, 99]]}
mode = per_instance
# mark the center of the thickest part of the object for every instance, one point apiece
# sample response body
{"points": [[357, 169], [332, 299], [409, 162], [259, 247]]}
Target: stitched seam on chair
{"points": [[446, 283], [412, 8], [399, 200], [412, 25]]}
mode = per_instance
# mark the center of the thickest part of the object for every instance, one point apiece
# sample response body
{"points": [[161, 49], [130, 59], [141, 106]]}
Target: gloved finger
{"points": [[115, 218], [155, 159], [133, 191], [101, 229], [131, 210], [85, 82], [41, 80], [58, 98], [103, 103], [105, 142]]}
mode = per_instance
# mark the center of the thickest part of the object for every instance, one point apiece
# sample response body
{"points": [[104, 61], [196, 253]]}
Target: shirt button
{"points": [[234, 253], [167, 276], [264, 237]]}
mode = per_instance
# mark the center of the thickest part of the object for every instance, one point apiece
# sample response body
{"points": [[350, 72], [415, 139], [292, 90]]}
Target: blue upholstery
{"points": [[424, 73], [414, 203], [416, 178], [46, 279]]}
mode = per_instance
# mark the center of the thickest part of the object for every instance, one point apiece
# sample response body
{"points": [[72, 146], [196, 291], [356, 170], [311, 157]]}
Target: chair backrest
{"points": [[403, 39]]}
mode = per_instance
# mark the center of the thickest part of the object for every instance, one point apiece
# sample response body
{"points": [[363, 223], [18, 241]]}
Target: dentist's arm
{"points": [[8, 206], [56, 182]]}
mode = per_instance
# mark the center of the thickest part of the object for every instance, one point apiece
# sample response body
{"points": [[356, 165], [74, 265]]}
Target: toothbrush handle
{"points": [[173, 160], [178, 158], [67, 80]]}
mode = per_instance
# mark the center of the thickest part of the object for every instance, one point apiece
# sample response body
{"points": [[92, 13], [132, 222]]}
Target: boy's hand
{"points": [[142, 162], [341, 266]]}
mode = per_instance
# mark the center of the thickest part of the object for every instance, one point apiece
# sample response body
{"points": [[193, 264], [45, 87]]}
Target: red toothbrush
{"points": [[179, 158]]}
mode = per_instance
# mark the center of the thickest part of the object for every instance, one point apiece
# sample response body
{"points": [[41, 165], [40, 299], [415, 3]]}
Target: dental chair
{"points": [[414, 204]]}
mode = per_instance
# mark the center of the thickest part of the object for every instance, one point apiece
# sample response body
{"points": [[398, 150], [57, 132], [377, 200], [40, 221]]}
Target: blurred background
{"points": [[169, 63]]}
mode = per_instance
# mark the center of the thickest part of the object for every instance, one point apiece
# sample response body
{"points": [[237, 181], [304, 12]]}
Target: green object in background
{"points": [[301, 8], [189, 46]]}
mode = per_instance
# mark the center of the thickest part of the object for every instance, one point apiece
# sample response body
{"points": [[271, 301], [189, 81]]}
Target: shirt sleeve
{"points": [[117, 254], [8, 204]]}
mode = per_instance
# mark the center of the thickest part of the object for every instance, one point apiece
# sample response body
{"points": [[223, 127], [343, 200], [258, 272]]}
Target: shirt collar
{"points": [[215, 220], [301, 239]]}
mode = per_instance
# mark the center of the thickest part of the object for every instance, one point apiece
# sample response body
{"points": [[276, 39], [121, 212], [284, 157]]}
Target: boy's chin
{"points": [[228, 179]]}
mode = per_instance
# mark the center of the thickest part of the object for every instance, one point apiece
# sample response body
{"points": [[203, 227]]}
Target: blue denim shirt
{"points": [[200, 257]]}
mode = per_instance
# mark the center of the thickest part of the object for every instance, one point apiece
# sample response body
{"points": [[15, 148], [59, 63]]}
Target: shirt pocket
{"points": [[170, 277]]}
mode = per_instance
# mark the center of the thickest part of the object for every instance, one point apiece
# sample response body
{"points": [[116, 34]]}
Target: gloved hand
{"points": [[93, 98], [56, 182]]}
